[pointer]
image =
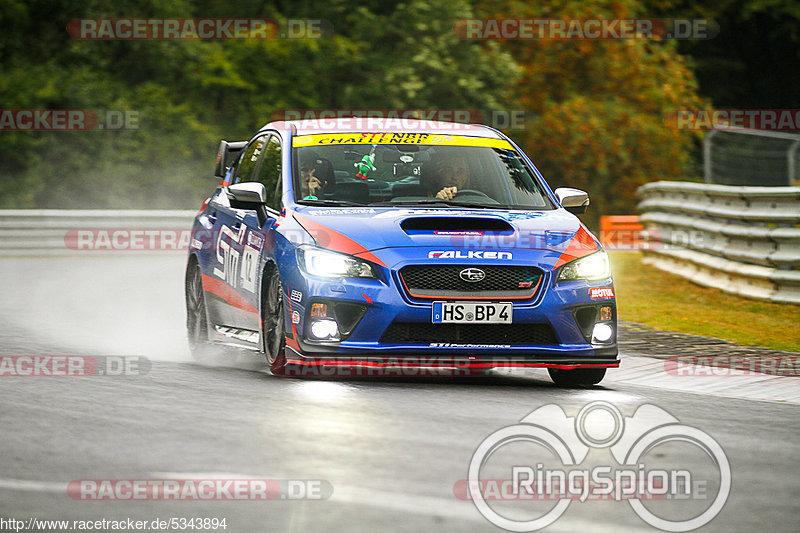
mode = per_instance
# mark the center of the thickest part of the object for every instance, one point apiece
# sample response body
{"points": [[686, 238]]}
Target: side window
{"points": [[270, 171], [246, 165]]}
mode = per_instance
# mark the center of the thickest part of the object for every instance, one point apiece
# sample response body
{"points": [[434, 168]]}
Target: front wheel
{"points": [[273, 323], [578, 377]]}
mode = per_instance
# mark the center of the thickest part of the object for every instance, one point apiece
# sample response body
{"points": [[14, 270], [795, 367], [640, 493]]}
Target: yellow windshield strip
{"points": [[431, 139]]}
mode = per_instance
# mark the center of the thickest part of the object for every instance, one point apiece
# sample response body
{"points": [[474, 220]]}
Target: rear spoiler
{"points": [[226, 155]]}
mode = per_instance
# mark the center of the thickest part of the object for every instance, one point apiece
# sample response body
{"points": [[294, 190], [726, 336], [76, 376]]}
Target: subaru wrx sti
{"points": [[366, 244]]}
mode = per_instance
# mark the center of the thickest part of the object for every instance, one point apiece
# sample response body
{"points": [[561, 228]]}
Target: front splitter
{"points": [[437, 365]]}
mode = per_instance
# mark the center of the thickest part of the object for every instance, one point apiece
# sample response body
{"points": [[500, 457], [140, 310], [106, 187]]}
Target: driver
{"points": [[450, 176]]}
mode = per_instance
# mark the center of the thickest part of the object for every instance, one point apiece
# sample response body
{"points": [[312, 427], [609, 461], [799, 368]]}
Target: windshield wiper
{"points": [[436, 201], [330, 203]]}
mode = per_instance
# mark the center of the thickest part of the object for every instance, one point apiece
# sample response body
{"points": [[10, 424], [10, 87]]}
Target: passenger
{"points": [[310, 185]]}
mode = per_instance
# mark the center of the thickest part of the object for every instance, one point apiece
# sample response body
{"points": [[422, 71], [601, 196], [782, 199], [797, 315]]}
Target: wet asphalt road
{"points": [[392, 450]]}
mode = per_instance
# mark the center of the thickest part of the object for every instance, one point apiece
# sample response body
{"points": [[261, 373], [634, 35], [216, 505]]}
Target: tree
{"points": [[599, 106]]}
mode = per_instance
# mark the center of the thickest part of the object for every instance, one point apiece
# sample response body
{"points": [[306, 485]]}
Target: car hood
{"points": [[365, 231]]}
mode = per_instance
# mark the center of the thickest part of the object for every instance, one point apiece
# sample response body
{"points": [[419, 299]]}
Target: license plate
{"points": [[471, 313]]}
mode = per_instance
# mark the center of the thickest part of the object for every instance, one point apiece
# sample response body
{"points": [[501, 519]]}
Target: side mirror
{"points": [[251, 192], [250, 195], [573, 200], [226, 153]]}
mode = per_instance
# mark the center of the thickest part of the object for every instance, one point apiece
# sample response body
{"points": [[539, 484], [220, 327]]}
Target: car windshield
{"points": [[413, 169]]}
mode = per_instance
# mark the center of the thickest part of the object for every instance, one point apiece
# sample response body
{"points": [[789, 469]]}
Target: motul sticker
{"points": [[601, 292]]}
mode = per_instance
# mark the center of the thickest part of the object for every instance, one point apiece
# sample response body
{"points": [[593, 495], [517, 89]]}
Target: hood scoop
{"points": [[449, 225]]}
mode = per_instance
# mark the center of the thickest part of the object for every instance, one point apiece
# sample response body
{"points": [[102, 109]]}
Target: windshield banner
{"points": [[398, 138]]}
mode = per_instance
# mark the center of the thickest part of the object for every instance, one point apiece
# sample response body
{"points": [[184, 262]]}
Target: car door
{"points": [[257, 244], [232, 273]]}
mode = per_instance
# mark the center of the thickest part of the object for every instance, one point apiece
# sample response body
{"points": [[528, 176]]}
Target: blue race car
{"points": [[365, 245]]}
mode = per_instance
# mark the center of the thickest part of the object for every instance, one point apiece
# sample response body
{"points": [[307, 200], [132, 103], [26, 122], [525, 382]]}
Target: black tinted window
{"points": [[245, 168], [270, 171]]}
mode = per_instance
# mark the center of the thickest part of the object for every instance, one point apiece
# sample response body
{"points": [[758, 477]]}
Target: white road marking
{"points": [[35, 486], [650, 372]]}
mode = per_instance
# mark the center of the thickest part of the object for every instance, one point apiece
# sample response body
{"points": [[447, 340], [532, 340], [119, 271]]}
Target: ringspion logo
{"points": [[519, 470]]}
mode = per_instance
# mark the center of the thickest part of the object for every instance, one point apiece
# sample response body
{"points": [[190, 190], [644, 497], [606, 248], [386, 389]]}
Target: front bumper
{"points": [[385, 301]]}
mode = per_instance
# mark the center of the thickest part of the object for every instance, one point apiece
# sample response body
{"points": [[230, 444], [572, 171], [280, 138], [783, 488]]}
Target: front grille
{"points": [[444, 281], [512, 334]]}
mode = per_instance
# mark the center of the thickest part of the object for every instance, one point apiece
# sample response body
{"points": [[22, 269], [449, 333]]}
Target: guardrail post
{"points": [[707, 155], [791, 164]]}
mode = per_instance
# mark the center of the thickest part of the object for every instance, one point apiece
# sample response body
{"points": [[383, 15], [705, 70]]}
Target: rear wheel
{"points": [[578, 377], [273, 323], [196, 321]]}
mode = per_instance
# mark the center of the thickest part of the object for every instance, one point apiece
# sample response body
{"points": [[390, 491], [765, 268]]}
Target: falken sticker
{"points": [[472, 254]]}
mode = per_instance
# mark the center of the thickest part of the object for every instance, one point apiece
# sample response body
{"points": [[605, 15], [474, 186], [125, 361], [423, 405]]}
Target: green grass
{"points": [[665, 301]]}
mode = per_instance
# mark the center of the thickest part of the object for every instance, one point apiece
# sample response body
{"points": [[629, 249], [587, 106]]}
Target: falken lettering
{"points": [[458, 254]]}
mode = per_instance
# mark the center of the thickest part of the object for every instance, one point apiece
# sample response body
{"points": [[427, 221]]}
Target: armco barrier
{"points": [[743, 240], [67, 232]]}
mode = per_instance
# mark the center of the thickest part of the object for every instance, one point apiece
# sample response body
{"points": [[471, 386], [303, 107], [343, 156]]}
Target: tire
{"points": [[196, 318], [273, 323], [579, 377]]}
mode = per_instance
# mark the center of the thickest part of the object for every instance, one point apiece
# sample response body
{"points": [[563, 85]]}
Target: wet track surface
{"points": [[391, 449]]}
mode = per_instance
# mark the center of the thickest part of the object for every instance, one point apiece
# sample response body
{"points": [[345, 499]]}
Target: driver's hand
{"points": [[314, 185], [447, 193]]}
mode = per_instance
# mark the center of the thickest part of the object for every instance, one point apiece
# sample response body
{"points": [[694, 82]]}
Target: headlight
{"points": [[594, 266], [327, 264]]}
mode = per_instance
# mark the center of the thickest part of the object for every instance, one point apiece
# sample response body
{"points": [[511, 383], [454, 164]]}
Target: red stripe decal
{"points": [[224, 291], [333, 240], [580, 245], [421, 297], [379, 364], [292, 343]]}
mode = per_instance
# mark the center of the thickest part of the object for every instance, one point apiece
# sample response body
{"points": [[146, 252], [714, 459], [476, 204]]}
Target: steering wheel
{"points": [[473, 193]]}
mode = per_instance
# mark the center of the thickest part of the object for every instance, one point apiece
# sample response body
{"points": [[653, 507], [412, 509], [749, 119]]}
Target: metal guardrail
{"points": [[95, 231], [743, 240]]}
